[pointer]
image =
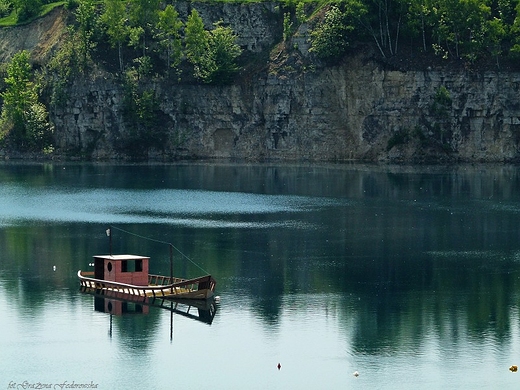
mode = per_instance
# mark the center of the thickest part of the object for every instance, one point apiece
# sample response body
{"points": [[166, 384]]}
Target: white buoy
{"points": [[54, 268], [356, 374], [217, 299]]}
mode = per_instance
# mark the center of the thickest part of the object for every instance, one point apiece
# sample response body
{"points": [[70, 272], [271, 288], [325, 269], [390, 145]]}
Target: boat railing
{"points": [[179, 286], [161, 280]]}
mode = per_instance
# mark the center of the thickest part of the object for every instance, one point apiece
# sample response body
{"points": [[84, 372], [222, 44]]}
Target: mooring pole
{"points": [[171, 263]]}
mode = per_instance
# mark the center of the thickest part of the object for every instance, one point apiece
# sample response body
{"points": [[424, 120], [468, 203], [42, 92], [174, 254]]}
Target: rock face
{"points": [[357, 110]]}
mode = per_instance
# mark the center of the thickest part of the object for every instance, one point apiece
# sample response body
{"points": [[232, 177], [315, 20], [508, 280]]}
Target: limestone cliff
{"points": [[286, 108]]}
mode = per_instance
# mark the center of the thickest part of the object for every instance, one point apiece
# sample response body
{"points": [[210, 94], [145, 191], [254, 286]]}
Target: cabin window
{"points": [[132, 266], [109, 266]]}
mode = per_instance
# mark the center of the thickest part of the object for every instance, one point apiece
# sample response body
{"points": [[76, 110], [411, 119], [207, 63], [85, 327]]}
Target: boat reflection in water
{"points": [[118, 307], [118, 303], [121, 304]]}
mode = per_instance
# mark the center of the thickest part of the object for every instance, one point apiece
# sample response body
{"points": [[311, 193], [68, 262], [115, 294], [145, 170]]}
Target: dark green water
{"points": [[409, 276]]}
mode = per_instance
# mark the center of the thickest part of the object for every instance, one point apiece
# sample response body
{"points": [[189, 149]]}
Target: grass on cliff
{"points": [[12, 19]]}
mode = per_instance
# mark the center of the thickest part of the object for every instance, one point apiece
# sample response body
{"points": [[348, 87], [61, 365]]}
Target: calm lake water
{"points": [[410, 276]]}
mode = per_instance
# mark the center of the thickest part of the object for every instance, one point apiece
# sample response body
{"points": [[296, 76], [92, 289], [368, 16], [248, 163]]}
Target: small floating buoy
{"points": [[356, 374], [54, 268], [279, 366], [513, 368], [217, 299]]}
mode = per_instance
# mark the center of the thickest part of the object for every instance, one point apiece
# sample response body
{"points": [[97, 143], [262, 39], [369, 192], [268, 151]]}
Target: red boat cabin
{"points": [[129, 269]]}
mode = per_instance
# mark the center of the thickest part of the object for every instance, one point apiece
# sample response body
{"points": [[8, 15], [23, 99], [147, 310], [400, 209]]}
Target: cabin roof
{"points": [[121, 257]]}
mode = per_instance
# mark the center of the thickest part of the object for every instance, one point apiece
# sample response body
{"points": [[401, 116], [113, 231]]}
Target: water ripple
{"points": [[180, 207]]}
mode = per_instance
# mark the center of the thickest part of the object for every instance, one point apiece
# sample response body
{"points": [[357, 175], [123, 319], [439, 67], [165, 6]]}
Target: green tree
{"points": [[196, 39], [504, 10], [38, 129], [515, 32], [495, 33], [143, 14], [134, 35], [63, 65], [5, 7], [329, 40], [87, 21], [24, 119], [441, 102], [382, 19], [114, 20], [168, 32], [143, 66], [21, 91], [287, 26], [461, 24], [219, 63], [300, 12], [27, 9], [418, 21]]}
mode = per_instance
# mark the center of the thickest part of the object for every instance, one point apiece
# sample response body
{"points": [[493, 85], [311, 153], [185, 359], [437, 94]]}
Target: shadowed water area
{"points": [[409, 276]]}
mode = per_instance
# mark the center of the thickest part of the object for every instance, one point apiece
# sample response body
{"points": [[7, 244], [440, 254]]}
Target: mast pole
{"points": [[171, 263]]}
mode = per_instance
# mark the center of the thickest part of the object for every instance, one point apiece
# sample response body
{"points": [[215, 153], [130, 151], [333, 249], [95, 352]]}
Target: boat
{"points": [[128, 274]]}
